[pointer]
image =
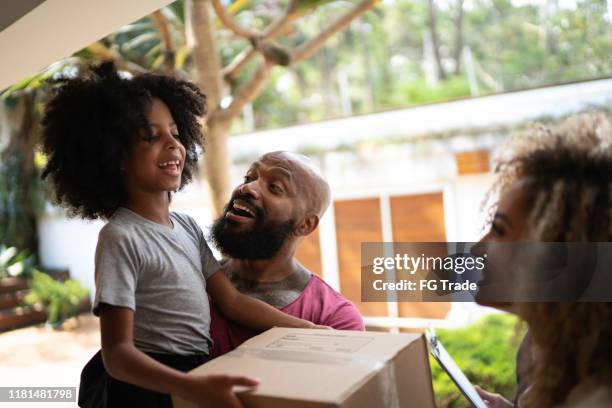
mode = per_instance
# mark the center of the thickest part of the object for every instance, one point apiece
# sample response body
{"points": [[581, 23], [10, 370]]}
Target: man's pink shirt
{"points": [[318, 303]]}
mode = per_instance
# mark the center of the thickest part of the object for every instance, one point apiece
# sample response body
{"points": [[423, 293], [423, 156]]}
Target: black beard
{"points": [[262, 241]]}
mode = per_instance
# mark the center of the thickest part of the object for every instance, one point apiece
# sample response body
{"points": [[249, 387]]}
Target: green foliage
{"points": [[309, 5], [21, 199], [15, 263], [59, 299], [515, 45], [419, 92], [485, 352]]}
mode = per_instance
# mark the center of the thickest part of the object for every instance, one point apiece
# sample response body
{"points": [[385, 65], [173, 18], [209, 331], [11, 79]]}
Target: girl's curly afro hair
{"points": [[89, 127]]}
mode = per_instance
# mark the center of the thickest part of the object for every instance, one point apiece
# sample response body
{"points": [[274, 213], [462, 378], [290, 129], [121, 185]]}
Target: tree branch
{"points": [[275, 27], [248, 92], [231, 71], [166, 39], [305, 50], [227, 21], [254, 86]]}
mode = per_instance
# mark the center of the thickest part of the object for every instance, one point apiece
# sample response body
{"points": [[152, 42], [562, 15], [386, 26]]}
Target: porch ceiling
{"points": [[36, 33]]}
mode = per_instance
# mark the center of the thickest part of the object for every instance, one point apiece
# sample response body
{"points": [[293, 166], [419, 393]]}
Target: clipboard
{"points": [[452, 369]]}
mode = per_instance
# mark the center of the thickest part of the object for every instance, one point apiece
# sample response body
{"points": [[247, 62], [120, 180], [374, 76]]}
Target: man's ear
{"points": [[308, 224]]}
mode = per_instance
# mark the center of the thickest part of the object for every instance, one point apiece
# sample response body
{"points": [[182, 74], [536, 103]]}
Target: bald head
{"points": [[314, 193]]}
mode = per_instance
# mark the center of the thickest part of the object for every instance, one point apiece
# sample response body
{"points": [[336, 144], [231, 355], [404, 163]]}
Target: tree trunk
{"points": [[327, 86], [370, 91], [206, 61], [217, 163], [207, 75], [433, 29], [551, 37], [458, 37], [302, 86]]}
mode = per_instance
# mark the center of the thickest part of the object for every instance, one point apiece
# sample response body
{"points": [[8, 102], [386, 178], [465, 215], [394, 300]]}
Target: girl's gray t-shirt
{"points": [[160, 273]]}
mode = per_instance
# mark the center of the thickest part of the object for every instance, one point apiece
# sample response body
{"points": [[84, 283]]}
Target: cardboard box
{"points": [[303, 368]]}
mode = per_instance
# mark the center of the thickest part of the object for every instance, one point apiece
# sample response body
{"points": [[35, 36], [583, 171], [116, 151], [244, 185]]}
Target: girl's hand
{"points": [[311, 325], [493, 400], [215, 390]]}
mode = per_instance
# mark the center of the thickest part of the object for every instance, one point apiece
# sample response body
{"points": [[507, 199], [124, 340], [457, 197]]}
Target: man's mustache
{"points": [[248, 199]]}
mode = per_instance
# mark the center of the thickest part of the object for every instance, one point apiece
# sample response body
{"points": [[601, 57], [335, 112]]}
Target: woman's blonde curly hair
{"points": [[566, 171]]}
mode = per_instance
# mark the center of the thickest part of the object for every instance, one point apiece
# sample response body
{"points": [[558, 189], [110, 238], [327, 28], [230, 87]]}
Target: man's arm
{"points": [[248, 311], [125, 362]]}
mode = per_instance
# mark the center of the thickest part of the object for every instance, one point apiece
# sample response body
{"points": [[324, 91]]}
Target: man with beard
{"points": [[281, 200]]}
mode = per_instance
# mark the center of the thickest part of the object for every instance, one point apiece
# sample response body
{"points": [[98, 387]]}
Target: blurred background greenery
{"points": [[485, 352], [387, 59]]}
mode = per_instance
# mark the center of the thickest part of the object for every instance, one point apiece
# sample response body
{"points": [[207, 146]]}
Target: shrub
{"points": [[59, 299], [485, 352]]}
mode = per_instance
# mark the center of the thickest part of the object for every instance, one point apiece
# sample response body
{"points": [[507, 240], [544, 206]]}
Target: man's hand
{"points": [[215, 390], [493, 400]]}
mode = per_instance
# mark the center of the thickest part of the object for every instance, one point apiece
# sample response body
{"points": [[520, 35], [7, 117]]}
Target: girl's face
{"points": [[157, 159]]}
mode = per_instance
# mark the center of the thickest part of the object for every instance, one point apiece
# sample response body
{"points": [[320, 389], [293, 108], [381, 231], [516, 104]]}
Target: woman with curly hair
{"points": [[117, 149], [555, 185]]}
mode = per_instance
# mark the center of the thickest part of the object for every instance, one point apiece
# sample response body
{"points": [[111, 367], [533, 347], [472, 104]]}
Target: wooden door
{"points": [[309, 253], [357, 221], [419, 218]]}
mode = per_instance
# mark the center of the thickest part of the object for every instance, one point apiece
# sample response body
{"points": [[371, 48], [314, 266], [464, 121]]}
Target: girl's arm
{"points": [[125, 362], [250, 312]]}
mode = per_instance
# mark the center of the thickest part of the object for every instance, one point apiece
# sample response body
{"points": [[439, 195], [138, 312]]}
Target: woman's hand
{"points": [[215, 390], [493, 400]]}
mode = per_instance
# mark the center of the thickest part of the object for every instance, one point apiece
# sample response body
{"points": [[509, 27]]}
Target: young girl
{"points": [[116, 149]]}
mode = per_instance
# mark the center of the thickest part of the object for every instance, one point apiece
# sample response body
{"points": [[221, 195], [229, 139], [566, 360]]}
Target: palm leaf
{"points": [[171, 15], [153, 52], [139, 40], [135, 27]]}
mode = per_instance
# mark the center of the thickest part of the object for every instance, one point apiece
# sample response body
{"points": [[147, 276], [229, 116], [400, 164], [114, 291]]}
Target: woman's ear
{"points": [[307, 225]]}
